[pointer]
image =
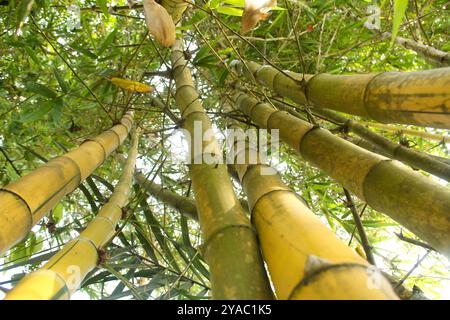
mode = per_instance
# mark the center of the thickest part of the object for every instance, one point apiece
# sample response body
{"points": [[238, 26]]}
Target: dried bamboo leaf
{"points": [[159, 23], [130, 85], [255, 11]]}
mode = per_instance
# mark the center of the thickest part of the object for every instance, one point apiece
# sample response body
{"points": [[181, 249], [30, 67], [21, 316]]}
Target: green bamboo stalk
{"points": [[230, 244], [413, 200], [420, 98], [292, 237], [411, 157]]}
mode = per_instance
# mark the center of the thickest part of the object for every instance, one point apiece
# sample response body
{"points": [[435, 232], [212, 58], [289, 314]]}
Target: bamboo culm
{"points": [[61, 276], [415, 201], [304, 258], [411, 157], [230, 245], [24, 203], [421, 98]]}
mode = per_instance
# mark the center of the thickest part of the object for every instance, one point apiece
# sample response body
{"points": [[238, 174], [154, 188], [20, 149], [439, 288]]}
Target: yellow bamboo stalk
{"points": [[413, 200], [62, 275], [420, 98], [410, 132], [24, 202], [175, 8], [305, 259], [230, 245]]}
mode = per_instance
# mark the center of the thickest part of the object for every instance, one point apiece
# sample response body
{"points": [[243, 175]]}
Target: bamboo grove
{"points": [[356, 190]]}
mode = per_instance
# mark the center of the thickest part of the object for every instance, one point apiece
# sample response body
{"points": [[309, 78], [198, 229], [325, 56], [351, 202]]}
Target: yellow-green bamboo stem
{"points": [[61, 276], [24, 202], [432, 55], [230, 246], [175, 8], [305, 259], [415, 201], [410, 132], [411, 157], [420, 98]]}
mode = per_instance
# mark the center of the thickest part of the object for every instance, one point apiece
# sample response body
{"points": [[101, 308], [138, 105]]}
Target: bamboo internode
{"points": [[230, 245], [24, 202], [415, 201], [61, 276], [420, 98], [305, 259], [411, 157]]}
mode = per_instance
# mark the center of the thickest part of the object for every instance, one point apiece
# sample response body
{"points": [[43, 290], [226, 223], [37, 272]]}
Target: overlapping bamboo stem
{"points": [[431, 54], [410, 132], [411, 157], [413, 200], [230, 244], [419, 98], [301, 253], [24, 202], [61, 276]]}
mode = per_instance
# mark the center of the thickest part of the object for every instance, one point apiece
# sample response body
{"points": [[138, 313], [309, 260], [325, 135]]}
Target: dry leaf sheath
{"points": [[132, 86], [159, 23], [254, 11]]}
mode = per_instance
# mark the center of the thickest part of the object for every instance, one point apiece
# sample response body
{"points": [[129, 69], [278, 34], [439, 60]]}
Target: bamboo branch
{"points": [[359, 226]]}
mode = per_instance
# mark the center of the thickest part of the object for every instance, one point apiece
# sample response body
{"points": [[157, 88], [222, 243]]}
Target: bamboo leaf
{"points": [[400, 7], [229, 11], [62, 84], [40, 89], [23, 10]]}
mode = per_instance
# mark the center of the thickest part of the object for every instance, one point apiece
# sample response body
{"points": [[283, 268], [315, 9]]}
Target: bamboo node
{"points": [[103, 256], [125, 213]]}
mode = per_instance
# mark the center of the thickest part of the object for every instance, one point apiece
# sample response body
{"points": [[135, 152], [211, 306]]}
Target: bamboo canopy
{"points": [[230, 244], [61, 276], [420, 98], [25, 202], [305, 259], [415, 201]]}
